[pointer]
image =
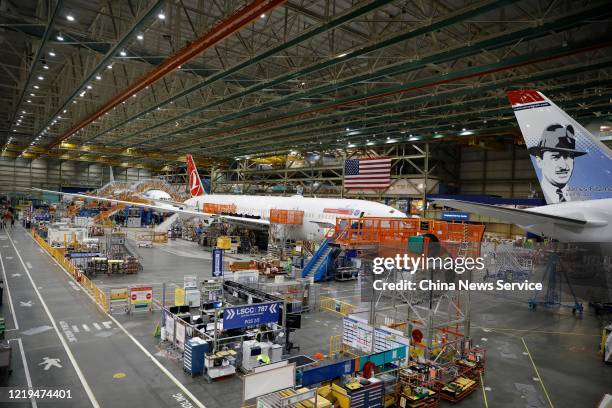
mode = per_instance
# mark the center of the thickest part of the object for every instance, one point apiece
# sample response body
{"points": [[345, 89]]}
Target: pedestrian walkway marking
{"points": [[69, 334], [50, 362], [86, 328], [75, 328], [107, 324], [15, 275], [36, 330], [97, 326], [29, 265], [26, 304], [73, 361]]}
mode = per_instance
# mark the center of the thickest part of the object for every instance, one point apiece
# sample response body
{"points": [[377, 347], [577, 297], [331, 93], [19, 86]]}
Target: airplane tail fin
{"points": [[571, 163], [195, 183], [111, 176]]}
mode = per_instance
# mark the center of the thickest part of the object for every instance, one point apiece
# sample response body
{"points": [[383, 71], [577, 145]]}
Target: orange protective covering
{"points": [[292, 217], [211, 208]]}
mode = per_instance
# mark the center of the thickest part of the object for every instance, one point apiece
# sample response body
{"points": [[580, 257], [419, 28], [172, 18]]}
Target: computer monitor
{"points": [[255, 351], [294, 321]]}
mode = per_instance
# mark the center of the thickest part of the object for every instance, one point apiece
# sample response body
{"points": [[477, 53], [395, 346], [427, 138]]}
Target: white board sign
{"points": [[262, 383], [356, 333]]}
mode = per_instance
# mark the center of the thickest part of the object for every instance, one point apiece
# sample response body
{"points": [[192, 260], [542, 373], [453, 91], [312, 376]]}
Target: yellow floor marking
{"points": [[119, 375], [537, 373], [541, 331], [483, 391]]}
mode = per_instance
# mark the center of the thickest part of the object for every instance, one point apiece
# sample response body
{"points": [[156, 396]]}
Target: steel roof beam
{"points": [[490, 43], [260, 57], [393, 70], [262, 134], [128, 36], [225, 28], [459, 16], [393, 121], [39, 51]]}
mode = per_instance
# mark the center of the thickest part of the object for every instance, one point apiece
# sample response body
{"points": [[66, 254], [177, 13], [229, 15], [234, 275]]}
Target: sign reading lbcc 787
{"points": [[251, 315]]}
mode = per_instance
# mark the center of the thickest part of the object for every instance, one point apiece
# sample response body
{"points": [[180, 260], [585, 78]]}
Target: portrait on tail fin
{"points": [[571, 164], [555, 155]]}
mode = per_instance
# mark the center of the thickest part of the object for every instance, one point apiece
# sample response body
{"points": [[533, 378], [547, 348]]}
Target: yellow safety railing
{"points": [[335, 345], [98, 294], [337, 306]]}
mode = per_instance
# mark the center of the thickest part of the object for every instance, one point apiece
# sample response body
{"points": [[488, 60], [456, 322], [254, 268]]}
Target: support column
{"points": [[425, 174]]}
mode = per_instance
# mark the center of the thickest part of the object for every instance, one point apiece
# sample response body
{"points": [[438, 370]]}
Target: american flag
{"points": [[374, 173]]}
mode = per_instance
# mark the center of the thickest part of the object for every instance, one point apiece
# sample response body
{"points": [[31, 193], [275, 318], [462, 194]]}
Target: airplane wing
{"points": [[511, 215], [174, 208], [165, 208]]}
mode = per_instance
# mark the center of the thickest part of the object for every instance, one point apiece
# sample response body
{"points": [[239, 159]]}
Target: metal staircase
{"points": [[319, 264]]}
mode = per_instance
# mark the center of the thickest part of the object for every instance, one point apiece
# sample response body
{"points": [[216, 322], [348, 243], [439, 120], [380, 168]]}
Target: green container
{"points": [[415, 244]]}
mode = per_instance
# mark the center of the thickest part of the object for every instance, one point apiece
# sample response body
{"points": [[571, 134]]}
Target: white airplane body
{"points": [[577, 180], [319, 214]]}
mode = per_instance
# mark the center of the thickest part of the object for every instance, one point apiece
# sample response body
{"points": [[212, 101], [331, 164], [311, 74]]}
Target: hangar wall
{"points": [[16, 175], [506, 171]]}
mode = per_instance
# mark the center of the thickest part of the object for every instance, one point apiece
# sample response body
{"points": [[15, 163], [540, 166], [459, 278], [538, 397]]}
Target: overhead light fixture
{"points": [[109, 67], [29, 101], [36, 87], [88, 86], [140, 37], [45, 67], [60, 37], [98, 77], [263, 16], [161, 15], [64, 111], [32, 94], [24, 112], [342, 55], [123, 53], [70, 17], [52, 53], [40, 77]]}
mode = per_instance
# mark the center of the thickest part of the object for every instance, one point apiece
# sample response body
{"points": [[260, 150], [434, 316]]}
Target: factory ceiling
{"points": [[145, 82]]}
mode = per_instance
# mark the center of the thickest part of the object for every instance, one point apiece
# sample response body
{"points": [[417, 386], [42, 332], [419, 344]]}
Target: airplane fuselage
{"points": [[319, 213]]}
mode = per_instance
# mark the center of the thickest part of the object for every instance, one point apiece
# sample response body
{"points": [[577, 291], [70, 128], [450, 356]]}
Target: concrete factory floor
{"points": [[61, 339]]}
